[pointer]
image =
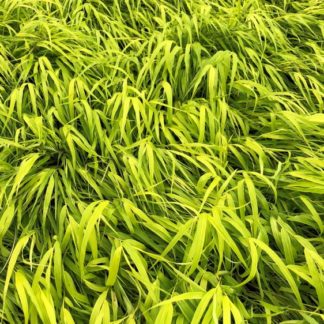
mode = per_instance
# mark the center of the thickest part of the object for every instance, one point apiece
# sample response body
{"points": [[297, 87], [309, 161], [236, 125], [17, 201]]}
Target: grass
{"points": [[161, 161]]}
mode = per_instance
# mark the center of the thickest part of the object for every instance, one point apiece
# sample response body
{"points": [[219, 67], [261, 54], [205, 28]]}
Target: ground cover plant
{"points": [[161, 161]]}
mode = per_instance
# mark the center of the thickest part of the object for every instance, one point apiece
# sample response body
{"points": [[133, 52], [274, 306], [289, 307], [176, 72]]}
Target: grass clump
{"points": [[161, 161]]}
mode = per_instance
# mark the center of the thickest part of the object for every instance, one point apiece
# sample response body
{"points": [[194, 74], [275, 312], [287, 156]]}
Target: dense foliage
{"points": [[161, 161]]}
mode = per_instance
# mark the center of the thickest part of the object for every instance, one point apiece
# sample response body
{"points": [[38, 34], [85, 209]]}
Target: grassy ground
{"points": [[161, 161]]}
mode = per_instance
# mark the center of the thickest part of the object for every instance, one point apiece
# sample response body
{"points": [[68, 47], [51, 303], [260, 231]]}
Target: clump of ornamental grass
{"points": [[161, 161]]}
